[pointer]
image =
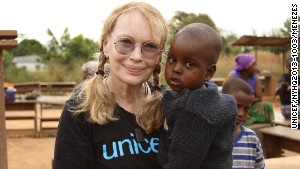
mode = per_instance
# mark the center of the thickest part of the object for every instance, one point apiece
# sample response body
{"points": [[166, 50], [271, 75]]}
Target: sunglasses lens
{"points": [[150, 49], [124, 46]]}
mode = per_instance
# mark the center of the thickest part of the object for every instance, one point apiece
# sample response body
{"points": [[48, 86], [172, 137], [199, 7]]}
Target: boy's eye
{"points": [[189, 65], [171, 60]]}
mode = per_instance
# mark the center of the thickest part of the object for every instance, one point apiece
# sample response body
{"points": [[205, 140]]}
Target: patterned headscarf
{"points": [[243, 61]]}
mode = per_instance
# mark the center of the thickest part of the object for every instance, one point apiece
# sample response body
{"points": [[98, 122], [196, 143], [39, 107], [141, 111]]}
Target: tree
{"points": [[29, 47], [227, 39], [57, 48], [285, 31], [80, 47], [66, 49], [181, 19]]}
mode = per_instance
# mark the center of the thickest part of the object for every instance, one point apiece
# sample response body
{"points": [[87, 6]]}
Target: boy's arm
{"points": [[259, 161]]}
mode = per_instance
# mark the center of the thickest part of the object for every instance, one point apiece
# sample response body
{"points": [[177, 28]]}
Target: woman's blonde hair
{"points": [[97, 100]]}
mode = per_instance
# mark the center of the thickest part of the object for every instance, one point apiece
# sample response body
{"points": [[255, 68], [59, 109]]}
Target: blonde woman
{"points": [[102, 125]]}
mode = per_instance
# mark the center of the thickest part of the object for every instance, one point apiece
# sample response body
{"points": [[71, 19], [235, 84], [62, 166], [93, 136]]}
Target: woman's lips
{"points": [[133, 69]]}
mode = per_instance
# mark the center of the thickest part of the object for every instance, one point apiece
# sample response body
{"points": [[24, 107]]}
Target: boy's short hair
{"points": [[236, 84], [205, 33]]}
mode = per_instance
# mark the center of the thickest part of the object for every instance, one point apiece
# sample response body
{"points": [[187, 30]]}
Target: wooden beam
{"points": [[8, 44], [7, 41], [8, 34], [3, 145]]}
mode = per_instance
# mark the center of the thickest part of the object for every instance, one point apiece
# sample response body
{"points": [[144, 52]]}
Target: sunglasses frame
{"points": [[159, 51]]}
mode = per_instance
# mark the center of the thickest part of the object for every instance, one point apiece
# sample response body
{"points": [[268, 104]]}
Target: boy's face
{"points": [[243, 102], [187, 64]]}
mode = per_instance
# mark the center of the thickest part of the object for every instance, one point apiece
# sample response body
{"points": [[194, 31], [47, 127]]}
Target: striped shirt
{"points": [[247, 151]]}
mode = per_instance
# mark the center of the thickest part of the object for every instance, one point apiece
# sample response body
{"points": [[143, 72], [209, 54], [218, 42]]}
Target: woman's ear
{"points": [[210, 71], [105, 46]]}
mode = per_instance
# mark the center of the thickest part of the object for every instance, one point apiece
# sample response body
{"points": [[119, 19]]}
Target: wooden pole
{"points": [[3, 146], [6, 42], [256, 54], [283, 60]]}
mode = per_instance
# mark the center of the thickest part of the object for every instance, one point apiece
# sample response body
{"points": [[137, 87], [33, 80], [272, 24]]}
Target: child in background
{"points": [[199, 120], [283, 89], [247, 151]]}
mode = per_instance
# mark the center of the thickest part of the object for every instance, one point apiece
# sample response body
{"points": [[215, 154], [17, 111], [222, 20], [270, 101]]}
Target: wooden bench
{"points": [[279, 137], [280, 120], [290, 162], [22, 106], [256, 128], [28, 88], [57, 88], [57, 91], [42, 88], [58, 103]]}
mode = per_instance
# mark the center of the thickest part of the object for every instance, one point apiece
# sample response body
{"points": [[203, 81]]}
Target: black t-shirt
{"points": [[82, 145]]}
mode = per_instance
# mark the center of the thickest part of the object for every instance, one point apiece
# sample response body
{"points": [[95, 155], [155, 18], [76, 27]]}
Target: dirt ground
{"points": [[28, 152], [34, 153]]}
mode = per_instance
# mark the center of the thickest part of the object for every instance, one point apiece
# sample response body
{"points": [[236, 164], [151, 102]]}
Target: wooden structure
{"points": [[279, 137], [265, 41], [290, 162], [44, 88], [7, 41], [51, 94], [22, 106]]}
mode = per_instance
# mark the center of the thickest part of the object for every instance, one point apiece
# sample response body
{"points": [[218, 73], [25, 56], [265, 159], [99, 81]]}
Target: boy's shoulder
{"points": [[249, 131]]}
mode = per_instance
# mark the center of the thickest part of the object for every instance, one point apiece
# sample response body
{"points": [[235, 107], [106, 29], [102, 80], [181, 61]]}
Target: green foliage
{"points": [[80, 47], [29, 47], [227, 39], [8, 56], [284, 31], [63, 56], [66, 49], [181, 19]]}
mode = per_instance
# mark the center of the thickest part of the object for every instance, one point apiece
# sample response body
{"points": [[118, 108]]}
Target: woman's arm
{"points": [[258, 91]]}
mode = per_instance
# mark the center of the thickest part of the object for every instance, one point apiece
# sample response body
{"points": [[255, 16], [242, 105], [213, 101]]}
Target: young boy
{"points": [[199, 120], [247, 151]]}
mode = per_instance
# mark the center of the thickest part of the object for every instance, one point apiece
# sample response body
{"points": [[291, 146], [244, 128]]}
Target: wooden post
{"points": [[7, 41], [283, 60]]}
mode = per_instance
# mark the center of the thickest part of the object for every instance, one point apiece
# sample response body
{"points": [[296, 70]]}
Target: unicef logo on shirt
{"points": [[134, 147]]}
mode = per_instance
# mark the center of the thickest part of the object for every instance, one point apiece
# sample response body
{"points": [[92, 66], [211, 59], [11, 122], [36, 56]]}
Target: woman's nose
{"points": [[137, 53]]}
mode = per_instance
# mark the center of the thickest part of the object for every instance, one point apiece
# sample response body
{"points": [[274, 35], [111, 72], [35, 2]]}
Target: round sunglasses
{"points": [[125, 46]]}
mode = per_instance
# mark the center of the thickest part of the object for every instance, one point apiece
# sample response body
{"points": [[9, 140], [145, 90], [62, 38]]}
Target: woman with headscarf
{"points": [[245, 68]]}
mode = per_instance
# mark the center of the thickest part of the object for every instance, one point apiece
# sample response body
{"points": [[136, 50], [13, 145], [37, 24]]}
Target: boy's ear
{"points": [[210, 71]]}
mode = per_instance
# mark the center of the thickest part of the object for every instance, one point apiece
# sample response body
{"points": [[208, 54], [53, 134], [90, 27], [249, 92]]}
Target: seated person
{"points": [[89, 69], [283, 89]]}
